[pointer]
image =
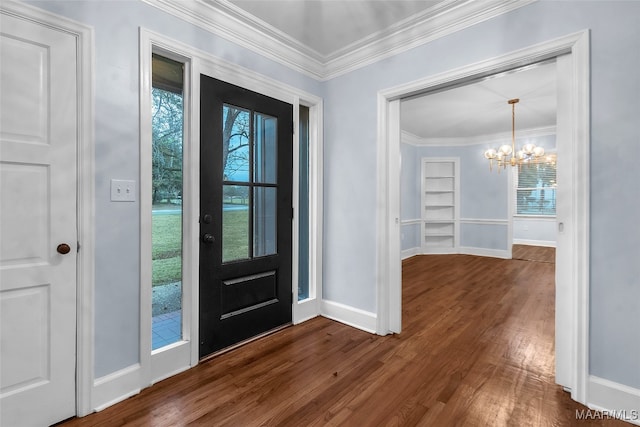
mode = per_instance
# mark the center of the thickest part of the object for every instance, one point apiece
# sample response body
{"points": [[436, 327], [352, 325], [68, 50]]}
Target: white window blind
{"points": [[535, 187]]}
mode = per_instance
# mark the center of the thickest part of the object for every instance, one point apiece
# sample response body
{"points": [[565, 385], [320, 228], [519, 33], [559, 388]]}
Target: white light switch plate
{"points": [[123, 190]]}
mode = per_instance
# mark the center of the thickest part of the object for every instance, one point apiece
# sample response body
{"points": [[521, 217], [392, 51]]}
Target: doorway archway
{"points": [[572, 323]]}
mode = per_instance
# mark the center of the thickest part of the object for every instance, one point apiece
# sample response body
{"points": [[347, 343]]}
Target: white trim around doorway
{"points": [[389, 286]]}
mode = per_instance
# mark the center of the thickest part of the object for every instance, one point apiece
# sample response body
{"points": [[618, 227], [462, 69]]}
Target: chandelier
{"points": [[507, 154]]}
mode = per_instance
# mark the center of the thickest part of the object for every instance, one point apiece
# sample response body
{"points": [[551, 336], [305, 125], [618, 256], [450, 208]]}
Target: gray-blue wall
{"points": [[350, 159], [350, 239]]}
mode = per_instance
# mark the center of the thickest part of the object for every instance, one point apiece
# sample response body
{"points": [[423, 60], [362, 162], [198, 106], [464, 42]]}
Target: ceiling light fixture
{"points": [[507, 154]]}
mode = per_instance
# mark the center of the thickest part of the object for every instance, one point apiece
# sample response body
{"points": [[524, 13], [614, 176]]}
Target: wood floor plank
{"points": [[477, 349], [534, 253]]}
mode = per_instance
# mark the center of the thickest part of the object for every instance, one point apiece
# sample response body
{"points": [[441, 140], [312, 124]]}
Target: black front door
{"points": [[246, 165]]}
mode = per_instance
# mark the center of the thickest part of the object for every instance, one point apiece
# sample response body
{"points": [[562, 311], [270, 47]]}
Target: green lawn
{"points": [[167, 238], [235, 244], [167, 252]]}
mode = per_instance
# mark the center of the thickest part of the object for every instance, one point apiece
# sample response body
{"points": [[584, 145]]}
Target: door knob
{"points": [[63, 248], [208, 238]]}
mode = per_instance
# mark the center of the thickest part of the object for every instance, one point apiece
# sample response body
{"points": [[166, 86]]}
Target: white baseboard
{"points": [[614, 399], [494, 253], [348, 315], [305, 310], [545, 243], [116, 387], [435, 250], [408, 253]]}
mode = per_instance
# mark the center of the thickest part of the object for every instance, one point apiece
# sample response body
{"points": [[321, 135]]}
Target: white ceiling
{"points": [[331, 27], [481, 109]]}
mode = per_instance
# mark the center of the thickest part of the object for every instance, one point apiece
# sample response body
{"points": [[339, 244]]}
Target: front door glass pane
{"points": [[265, 131], [264, 221], [235, 222], [236, 123], [249, 152]]}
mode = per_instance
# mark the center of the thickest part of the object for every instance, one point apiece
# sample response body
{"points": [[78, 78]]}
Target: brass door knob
{"points": [[63, 248]]}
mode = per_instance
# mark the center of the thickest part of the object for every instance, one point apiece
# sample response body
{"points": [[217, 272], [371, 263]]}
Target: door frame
{"points": [[85, 190], [202, 62], [389, 284]]}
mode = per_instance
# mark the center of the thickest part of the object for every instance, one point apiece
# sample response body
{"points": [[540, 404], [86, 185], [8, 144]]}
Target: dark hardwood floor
{"points": [[534, 253], [477, 349]]}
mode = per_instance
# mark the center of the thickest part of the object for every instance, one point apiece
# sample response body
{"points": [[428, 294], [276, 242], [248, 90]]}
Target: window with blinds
{"points": [[535, 186]]}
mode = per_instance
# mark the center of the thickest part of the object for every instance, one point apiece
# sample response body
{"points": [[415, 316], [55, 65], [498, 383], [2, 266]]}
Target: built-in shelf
{"points": [[440, 189]]}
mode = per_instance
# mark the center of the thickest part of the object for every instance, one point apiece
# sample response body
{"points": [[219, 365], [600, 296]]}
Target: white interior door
{"points": [[38, 143]]}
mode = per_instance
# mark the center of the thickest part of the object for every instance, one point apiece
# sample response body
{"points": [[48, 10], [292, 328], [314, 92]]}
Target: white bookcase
{"points": [[440, 204]]}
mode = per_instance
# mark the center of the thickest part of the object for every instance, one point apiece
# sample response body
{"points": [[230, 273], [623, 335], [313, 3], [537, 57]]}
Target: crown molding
{"points": [[406, 25], [232, 23], [264, 28], [224, 20], [452, 16], [492, 139]]}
